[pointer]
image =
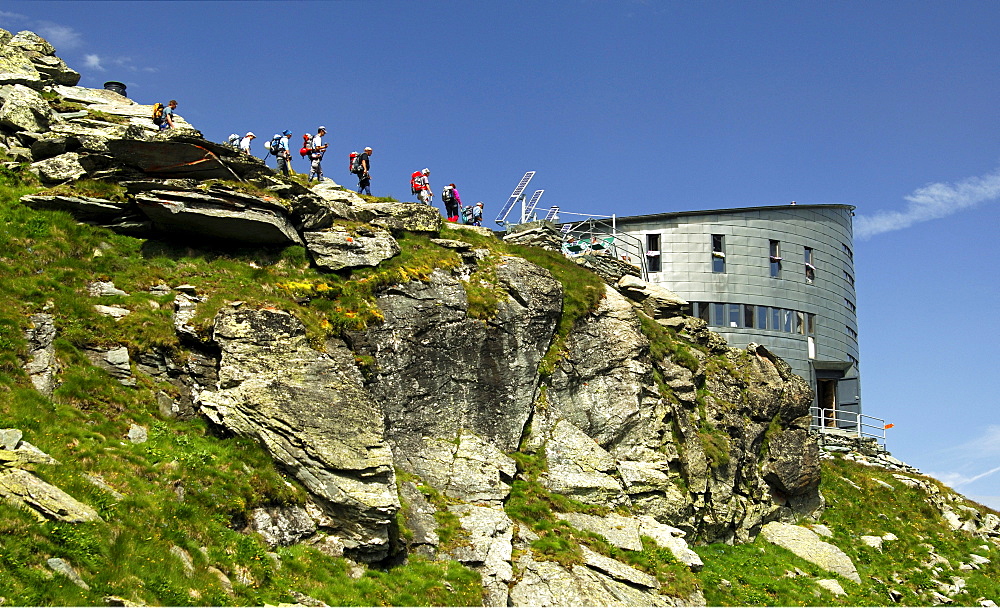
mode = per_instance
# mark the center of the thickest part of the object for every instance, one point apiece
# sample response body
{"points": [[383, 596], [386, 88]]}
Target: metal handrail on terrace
{"points": [[850, 423], [620, 245]]}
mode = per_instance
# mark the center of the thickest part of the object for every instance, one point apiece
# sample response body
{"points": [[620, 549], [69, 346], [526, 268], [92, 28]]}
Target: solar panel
{"points": [[505, 211], [530, 207], [567, 228], [553, 212]]}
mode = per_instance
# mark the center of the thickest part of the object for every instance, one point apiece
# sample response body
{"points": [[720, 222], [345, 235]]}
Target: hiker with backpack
{"points": [[163, 116], [245, 142], [360, 164], [420, 185], [477, 214], [316, 150], [452, 202], [280, 149]]}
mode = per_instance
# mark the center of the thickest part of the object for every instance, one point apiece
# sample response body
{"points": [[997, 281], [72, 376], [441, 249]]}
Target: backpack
{"points": [[274, 146], [356, 167], [447, 194], [234, 140], [157, 113], [307, 145], [467, 215], [414, 185]]}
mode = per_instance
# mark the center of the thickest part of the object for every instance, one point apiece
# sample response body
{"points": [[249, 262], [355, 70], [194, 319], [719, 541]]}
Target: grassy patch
{"points": [[88, 187]]}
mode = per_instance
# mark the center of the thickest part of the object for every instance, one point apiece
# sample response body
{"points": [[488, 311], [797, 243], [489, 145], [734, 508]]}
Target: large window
{"points": [[775, 259], [750, 316], [653, 253], [718, 253]]}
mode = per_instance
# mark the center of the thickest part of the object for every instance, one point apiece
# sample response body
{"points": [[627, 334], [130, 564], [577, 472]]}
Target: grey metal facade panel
{"points": [[826, 229]]}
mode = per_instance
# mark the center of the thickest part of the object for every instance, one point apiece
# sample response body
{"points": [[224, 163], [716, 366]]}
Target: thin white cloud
{"points": [[986, 444], [6, 17], [931, 202], [956, 480], [93, 62], [60, 36]]}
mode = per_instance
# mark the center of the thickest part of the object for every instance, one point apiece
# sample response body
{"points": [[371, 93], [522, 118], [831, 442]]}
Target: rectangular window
{"points": [[776, 319], [800, 323], [775, 259], [702, 311], [718, 314], [748, 318], [718, 253], [810, 268], [763, 312], [734, 315], [847, 250], [653, 252], [787, 321], [850, 305], [852, 333], [811, 324], [849, 277]]}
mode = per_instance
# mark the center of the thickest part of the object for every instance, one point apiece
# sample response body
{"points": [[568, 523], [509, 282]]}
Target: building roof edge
{"points": [[669, 214]]}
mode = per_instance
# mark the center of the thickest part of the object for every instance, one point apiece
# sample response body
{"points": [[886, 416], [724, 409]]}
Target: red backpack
{"points": [[307, 145], [414, 185]]}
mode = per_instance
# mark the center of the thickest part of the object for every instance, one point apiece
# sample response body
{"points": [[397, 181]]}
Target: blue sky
{"points": [[644, 107]]}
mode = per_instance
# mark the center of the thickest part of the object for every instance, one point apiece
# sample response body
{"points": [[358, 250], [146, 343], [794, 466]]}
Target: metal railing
{"points": [[603, 231], [826, 420]]}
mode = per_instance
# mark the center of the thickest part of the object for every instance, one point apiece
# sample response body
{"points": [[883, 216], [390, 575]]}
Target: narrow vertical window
{"points": [[748, 318], [811, 324], [653, 252], [810, 269], [800, 323], [776, 319], [718, 253], [718, 314], [762, 315], [775, 258], [703, 311], [734, 315]]}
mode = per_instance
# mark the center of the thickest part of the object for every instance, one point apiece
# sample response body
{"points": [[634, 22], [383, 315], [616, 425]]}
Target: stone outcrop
{"points": [[310, 410], [806, 544], [336, 248]]}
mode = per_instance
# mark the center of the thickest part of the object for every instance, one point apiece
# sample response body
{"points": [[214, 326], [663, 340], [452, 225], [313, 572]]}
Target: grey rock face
{"points": [[467, 468], [24, 109], [336, 248], [46, 500], [489, 549], [63, 567], [42, 365], [439, 371], [115, 361], [62, 168], [806, 544], [536, 234], [311, 412], [17, 69], [229, 216], [420, 520], [83, 208], [282, 526], [414, 217]]}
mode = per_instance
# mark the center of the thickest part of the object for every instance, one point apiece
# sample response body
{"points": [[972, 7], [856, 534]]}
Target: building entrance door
{"points": [[826, 397]]}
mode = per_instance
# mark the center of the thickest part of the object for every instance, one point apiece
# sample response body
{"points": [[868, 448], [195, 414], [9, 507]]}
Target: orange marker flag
{"points": [[889, 426]]}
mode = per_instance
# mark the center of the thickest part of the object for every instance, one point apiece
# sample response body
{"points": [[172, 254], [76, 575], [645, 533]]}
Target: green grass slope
{"points": [[902, 572]]}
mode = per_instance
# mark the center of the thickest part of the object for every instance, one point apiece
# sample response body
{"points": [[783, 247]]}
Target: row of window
{"points": [[751, 316], [775, 260]]}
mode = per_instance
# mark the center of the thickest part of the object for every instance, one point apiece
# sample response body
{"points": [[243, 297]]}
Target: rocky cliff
{"points": [[489, 382]]}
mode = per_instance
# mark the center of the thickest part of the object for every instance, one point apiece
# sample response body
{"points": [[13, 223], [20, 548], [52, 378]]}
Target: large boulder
{"points": [[42, 365], [44, 499], [84, 208], [219, 214], [413, 217], [17, 69], [337, 248], [806, 544], [311, 412], [58, 169], [24, 109]]}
